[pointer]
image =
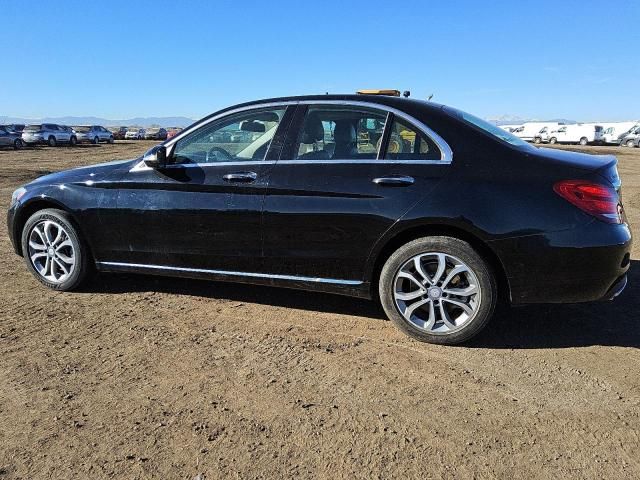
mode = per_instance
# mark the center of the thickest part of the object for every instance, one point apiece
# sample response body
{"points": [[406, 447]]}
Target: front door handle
{"points": [[241, 177], [394, 181]]}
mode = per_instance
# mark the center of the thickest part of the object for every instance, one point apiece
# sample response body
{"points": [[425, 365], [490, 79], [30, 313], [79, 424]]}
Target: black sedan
{"points": [[434, 212]]}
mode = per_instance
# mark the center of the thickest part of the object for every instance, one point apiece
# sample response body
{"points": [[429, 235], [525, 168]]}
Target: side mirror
{"points": [[156, 157]]}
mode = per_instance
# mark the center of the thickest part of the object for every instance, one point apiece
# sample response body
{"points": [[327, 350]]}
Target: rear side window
{"points": [[407, 143], [340, 133]]}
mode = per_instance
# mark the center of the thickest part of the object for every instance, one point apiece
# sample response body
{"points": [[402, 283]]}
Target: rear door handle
{"points": [[394, 181], [241, 177]]}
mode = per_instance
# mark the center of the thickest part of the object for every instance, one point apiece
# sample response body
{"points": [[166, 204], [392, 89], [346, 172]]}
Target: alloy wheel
{"points": [[437, 293], [52, 251]]}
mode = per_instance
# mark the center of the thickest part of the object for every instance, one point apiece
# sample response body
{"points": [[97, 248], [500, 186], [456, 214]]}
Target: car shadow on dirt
{"points": [[268, 296], [614, 323]]}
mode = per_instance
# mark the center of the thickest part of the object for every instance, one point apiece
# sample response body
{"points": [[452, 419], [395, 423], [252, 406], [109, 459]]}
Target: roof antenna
{"points": [[430, 97], [406, 94]]}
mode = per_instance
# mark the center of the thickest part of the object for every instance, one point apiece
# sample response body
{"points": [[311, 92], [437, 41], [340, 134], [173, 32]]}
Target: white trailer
{"points": [[582, 134]]}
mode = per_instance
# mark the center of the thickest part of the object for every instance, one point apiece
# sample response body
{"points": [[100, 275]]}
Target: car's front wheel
{"points": [[53, 250], [553, 140], [52, 141], [630, 143], [18, 144], [438, 290]]}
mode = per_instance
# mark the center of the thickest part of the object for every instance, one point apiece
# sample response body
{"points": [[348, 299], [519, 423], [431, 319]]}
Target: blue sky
{"points": [[543, 59]]}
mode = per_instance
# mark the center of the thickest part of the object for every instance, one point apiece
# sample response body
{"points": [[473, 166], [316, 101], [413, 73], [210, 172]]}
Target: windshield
{"points": [[487, 127], [33, 128]]}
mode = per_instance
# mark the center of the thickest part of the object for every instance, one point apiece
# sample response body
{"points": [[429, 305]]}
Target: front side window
{"points": [[408, 143], [244, 136], [340, 133]]}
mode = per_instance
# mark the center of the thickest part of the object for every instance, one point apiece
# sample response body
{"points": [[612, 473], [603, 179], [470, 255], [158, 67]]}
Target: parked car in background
{"points": [[579, 134], [155, 134], [49, 134], [612, 131], [172, 132], [630, 138], [398, 220], [93, 133], [118, 132], [134, 134], [9, 138]]}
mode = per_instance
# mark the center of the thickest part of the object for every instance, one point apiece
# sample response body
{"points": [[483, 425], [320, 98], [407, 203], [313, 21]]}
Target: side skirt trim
{"points": [[293, 278]]}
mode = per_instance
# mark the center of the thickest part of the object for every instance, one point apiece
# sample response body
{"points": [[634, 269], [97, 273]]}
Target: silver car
{"points": [[49, 134], [93, 133], [135, 134], [9, 138]]}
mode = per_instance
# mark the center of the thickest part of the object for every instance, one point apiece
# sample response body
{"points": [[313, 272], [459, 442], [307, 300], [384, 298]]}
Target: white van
{"points": [[614, 131], [580, 133], [529, 130], [509, 128]]}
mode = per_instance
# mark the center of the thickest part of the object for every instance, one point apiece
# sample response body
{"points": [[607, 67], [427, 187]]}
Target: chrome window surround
{"points": [[293, 278], [447, 153]]}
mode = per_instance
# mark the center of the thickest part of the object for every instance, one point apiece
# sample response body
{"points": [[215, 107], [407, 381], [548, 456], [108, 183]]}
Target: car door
{"points": [[346, 174], [203, 211]]}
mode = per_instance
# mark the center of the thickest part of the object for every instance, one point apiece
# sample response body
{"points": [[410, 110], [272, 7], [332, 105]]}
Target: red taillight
{"points": [[595, 199]]}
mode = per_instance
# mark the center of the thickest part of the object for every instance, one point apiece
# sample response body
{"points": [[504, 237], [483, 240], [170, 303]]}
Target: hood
{"points": [[93, 173]]}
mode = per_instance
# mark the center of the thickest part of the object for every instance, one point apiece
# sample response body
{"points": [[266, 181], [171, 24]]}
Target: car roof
{"points": [[397, 102]]}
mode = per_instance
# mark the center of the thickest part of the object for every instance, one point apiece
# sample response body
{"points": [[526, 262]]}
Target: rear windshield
{"points": [[487, 127], [82, 129], [33, 128]]}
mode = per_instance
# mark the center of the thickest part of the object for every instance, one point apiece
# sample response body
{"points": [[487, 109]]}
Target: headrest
{"points": [[313, 130], [345, 132]]}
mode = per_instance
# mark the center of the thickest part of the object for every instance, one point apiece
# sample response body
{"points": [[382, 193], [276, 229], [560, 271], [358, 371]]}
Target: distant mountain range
{"points": [[515, 120], [138, 121]]}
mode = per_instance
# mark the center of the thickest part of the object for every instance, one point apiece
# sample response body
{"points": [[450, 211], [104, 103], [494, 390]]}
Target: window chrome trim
{"points": [[293, 278], [445, 149]]}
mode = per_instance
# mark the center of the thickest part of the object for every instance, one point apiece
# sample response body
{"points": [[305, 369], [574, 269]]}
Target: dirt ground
{"points": [[143, 377]]}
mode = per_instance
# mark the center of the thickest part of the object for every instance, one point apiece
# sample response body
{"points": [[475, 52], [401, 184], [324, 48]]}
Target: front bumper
{"points": [[583, 264]]}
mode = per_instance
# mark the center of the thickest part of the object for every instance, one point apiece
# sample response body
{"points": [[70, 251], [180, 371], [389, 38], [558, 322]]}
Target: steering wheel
{"points": [[217, 154]]}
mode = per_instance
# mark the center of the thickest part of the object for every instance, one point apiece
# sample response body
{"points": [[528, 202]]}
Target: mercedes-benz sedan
{"points": [[434, 212]]}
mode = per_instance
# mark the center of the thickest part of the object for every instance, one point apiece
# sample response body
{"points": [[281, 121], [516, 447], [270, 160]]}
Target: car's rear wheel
{"points": [[553, 140], [53, 250], [73, 141], [96, 140], [537, 140], [438, 290], [18, 144], [52, 141], [111, 139], [630, 143], [584, 141]]}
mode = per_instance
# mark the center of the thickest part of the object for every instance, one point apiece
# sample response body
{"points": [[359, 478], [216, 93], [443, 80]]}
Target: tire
{"points": [[537, 140], [18, 144], [51, 141], [630, 143], [96, 140], [111, 139], [584, 141], [75, 250], [553, 140], [73, 141], [479, 292]]}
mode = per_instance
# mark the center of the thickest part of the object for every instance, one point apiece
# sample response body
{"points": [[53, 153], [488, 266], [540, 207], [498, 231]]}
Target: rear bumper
{"points": [[579, 265]]}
